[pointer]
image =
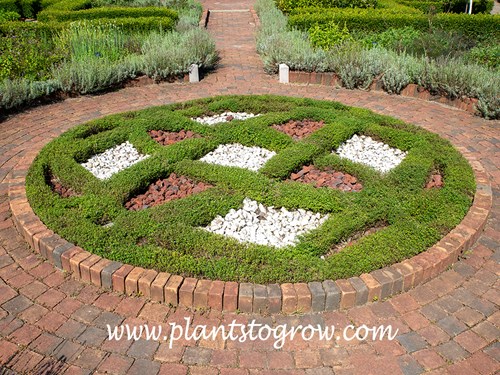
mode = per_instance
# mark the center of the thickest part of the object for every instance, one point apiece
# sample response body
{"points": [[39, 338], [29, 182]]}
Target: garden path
{"points": [[53, 324]]}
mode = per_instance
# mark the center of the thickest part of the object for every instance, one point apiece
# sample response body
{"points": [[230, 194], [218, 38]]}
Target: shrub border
{"points": [[287, 298], [411, 90]]}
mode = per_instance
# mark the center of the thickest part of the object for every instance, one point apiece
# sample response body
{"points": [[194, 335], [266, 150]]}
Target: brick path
{"points": [[52, 324]]}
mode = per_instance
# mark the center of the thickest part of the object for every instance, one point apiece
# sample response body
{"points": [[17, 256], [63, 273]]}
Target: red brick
{"points": [[75, 262], [38, 236], [230, 303], [145, 283], [347, 294], [429, 359], [289, 296], [186, 292], [215, 295], [95, 271], [373, 287], [470, 341], [119, 277], [132, 280], [157, 293], [200, 299], [172, 290], [85, 267], [303, 297], [67, 255]]}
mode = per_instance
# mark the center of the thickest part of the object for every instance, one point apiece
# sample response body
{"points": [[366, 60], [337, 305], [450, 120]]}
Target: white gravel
{"points": [[113, 160], [237, 155], [263, 225], [223, 117], [363, 149]]}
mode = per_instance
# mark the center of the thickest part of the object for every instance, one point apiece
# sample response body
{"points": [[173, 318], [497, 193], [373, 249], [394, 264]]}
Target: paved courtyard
{"points": [[53, 324]]}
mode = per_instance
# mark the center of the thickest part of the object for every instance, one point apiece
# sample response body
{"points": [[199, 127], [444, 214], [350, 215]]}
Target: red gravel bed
{"points": [[169, 138], [327, 178], [299, 129], [58, 187], [168, 189], [436, 181]]}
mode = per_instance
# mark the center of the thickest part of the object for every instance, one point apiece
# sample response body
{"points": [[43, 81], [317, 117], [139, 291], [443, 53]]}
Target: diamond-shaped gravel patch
{"points": [[363, 149], [223, 117], [166, 190], [263, 225], [169, 138], [236, 155], [113, 160], [299, 129], [309, 174]]}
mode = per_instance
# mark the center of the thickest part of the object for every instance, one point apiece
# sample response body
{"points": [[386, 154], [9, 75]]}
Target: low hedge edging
{"points": [[298, 292], [247, 297]]}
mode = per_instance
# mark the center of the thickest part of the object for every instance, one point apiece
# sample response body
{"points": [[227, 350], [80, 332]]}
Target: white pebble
{"points": [[113, 160], [236, 155], [378, 155], [223, 117], [267, 226]]}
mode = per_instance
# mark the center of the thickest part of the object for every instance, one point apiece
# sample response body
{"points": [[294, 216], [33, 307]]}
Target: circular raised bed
{"points": [[182, 221]]}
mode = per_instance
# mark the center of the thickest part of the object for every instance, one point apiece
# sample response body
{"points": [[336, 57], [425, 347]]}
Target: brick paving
{"points": [[52, 324]]}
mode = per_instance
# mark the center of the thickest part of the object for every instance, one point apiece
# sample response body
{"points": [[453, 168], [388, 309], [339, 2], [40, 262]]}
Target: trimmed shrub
{"points": [[28, 53], [287, 5], [9, 6], [66, 5], [107, 12], [8, 16], [477, 27]]}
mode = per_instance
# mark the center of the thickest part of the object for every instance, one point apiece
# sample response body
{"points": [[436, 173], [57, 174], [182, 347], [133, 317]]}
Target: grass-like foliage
{"points": [[168, 237]]}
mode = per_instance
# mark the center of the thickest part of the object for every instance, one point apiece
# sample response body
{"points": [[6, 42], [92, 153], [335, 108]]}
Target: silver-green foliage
{"points": [[14, 93], [167, 54], [358, 66]]}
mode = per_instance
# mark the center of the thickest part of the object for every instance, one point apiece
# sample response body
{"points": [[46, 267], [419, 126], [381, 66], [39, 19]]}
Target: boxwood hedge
{"points": [[168, 237], [477, 27]]}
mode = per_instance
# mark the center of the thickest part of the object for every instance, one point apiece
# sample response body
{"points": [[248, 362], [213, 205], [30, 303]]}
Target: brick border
{"points": [[288, 298], [412, 90]]}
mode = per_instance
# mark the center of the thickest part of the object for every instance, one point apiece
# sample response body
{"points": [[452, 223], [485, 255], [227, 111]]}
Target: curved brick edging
{"points": [[411, 90], [246, 297]]}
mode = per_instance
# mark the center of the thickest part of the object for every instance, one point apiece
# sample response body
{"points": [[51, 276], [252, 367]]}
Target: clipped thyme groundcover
{"points": [[409, 215]]}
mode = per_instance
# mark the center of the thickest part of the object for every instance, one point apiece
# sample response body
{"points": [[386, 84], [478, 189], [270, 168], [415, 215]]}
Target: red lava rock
{"points": [[299, 129], [229, 118], [436, 181], [327, 178], [169, 138], [58, 187], [173, 187]]}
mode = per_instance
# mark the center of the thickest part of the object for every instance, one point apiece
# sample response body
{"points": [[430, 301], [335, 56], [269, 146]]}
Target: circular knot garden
{"points": [[260, 189]]}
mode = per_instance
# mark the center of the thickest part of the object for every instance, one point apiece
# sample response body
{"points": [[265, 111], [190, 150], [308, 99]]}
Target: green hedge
{"points": [[44, 29], [9, 6], [106, 12], [287, 5], [168, 237], [30, 8], [455, 6], [41, 28], [478, 27], [67, 4]]}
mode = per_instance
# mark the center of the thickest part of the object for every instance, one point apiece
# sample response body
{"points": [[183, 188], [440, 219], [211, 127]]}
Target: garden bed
{"points": [[178, 236]]}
